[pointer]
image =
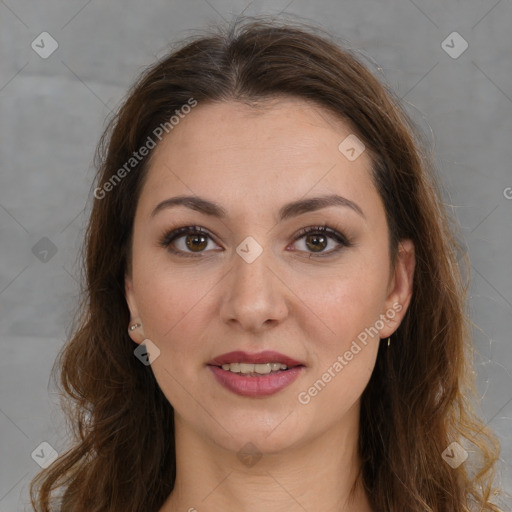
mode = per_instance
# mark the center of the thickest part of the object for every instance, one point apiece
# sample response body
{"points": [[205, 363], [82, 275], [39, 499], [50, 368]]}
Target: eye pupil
{"points": [[317, 242]]}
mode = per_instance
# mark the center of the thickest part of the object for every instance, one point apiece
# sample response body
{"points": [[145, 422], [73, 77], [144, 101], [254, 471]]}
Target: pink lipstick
{"points": [[255, 375]]}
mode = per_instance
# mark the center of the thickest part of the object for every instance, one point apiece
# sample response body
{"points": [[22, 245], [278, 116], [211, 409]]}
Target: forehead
{"points": [[282, 147], [287, 122]]}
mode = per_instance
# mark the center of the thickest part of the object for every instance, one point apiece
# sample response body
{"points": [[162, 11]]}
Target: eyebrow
{"points": [[289, 210]]}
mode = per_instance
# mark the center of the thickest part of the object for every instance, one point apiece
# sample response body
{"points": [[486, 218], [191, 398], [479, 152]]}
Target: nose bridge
{"points": [[251, 266], [254, 294]]}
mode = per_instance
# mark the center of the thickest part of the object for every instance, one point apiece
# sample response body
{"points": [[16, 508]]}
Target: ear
{"points": [[400, 288], [137, 335]]}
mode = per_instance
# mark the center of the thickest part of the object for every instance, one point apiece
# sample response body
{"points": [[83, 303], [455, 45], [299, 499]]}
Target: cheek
{"points": [[175, 319], [348, 302], [169, 306], [343, 359], [172, 308]]}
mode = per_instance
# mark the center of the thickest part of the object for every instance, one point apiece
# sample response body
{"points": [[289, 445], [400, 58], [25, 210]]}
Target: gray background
{"points": [[53, 111]]}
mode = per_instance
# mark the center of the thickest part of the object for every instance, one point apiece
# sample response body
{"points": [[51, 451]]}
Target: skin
{"points": [[308, 307]]}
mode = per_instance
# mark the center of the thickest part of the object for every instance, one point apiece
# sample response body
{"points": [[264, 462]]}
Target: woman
{"points": [[274, 316]]}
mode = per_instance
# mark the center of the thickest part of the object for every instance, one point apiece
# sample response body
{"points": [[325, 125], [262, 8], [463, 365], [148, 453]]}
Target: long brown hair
{"points": [[420, 396]]}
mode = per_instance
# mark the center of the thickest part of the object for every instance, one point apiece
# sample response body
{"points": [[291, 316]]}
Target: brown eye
{"points": [[316, 239], [196, 241], [193, 241], [187, 241], [316, 242]]}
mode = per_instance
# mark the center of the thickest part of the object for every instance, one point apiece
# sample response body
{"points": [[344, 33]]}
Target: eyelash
{"points": [[332, 233]]}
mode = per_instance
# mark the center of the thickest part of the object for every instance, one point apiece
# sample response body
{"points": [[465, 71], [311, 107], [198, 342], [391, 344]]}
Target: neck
{"points": [[320, 474]]}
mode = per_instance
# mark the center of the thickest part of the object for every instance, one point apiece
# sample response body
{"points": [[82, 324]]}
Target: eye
{"points": [[191, 241], [316, 239], [186, 241]]}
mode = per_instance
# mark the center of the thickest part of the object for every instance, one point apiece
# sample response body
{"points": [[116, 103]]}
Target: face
{"points": [[252, 280]]}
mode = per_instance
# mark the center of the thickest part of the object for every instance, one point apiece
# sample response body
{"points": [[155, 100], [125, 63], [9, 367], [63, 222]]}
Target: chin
{"points": [[267, 437]]}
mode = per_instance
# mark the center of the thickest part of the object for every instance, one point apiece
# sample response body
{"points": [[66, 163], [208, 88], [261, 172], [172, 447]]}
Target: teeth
{"points": [[261, 369], [245, 368]]}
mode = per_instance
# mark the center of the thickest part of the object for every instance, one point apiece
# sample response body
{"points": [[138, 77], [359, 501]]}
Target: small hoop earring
{"points": [[133, 327]]}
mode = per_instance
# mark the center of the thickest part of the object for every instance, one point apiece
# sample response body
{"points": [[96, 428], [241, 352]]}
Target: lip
{"points": [[255, 386], [266, 356]]}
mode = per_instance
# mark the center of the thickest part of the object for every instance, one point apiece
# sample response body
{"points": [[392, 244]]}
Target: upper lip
{"points": [[267, 356]]}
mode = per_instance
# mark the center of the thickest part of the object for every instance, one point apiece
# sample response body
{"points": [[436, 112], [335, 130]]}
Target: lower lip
{"points": [[263, 385]]}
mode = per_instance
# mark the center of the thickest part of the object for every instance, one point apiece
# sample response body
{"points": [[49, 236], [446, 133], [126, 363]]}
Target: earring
{"points": [[389, 341], [133, 327]]}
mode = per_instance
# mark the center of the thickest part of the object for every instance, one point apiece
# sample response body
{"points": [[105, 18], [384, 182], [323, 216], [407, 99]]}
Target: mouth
{"points": [[254, 370], [255, 375], [260, 363]]}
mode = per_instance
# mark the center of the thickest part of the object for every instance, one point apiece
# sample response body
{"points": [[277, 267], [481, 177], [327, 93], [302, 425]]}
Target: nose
{"points": [[254, 298]]}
